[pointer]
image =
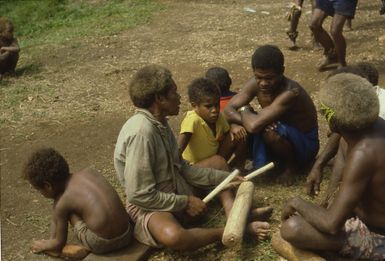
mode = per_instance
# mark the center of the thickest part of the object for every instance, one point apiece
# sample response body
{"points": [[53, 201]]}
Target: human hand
{"points": [[195, 206], [238, 132], [271, 127], [289, 209], [313, 181]]}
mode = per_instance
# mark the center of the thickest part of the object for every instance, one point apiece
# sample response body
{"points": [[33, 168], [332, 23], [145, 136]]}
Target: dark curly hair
{"points": [[369, 71], [200, 88], [220, 77], [46, 165], [147, 83], [268, 57]]}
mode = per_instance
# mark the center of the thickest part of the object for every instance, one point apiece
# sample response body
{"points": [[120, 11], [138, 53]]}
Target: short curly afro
{"points": [[349, 102], [202, 88], [46, 165], [147, 83]]}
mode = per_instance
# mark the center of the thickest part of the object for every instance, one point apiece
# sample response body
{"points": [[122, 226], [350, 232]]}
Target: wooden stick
{"points": [[290, 252], [218, 189], [236, 223], [259, 171], [251, 175]]}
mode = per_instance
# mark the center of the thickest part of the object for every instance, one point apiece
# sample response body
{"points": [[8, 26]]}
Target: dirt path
{"points": [[82, 114]]}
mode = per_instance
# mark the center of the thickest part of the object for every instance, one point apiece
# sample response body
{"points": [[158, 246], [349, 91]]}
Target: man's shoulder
{"points": [[137, 124]]}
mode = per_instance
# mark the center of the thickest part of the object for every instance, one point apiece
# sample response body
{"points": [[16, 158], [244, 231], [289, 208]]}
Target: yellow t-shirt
{"points": [[202, 144]]}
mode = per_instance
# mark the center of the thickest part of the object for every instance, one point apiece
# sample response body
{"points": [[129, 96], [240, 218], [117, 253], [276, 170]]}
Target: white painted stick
{"points": [[218, 189], [259, 171]]}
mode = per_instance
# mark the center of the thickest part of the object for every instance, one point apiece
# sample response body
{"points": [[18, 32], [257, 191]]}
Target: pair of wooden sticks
{"points": [[232, 175]]}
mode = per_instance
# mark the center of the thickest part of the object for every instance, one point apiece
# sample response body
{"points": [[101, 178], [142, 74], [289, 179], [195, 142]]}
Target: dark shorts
{"points": [[346, 8]]}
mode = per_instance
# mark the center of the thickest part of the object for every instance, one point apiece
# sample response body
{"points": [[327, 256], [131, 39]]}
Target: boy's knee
{"points": [[315, 26], [220, 163], [290, 229]]}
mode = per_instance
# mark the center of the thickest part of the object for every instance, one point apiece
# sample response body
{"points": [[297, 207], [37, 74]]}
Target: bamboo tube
{"points": [[236, 223]]}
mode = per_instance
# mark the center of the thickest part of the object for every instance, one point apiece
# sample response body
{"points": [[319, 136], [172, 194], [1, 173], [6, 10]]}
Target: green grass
{"points": [[54, 21]]}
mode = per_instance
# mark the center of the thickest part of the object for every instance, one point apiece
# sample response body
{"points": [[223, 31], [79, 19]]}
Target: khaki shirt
{"points": [[147, 159]]}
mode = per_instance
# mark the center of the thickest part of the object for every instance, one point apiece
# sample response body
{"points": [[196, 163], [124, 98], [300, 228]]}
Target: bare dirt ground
{"points": [[84, 101]]}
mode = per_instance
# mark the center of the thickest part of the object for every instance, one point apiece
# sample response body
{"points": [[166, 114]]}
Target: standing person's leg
{"points": [[168, 232], [322, 36], [294, 15], [339, 40]]}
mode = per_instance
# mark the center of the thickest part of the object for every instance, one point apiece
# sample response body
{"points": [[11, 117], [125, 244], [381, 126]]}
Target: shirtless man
{"points": [[354, 223], [285, 129], [159, 185], [85, 199]]}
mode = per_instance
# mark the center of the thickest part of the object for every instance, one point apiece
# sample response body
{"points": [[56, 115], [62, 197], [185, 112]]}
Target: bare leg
{"points": [[167, 231], [348, 24], [301, 234], [295, 14], [284, 151], [215, 162], [229, 147], [339, 40], [323, 38]]}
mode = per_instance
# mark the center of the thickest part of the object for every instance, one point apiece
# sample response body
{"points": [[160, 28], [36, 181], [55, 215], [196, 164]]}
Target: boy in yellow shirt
{"points": [[204, 138]]}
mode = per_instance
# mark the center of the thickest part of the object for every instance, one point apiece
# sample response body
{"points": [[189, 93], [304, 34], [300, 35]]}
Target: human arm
{"points": [[315, 176], [59, 227], [183, 140], [357, 175], [13, 48], [242, 98], [255, 123]]}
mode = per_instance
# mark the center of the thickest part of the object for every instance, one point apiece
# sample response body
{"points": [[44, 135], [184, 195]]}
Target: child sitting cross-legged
{"points": [[85, 199], [204, 138]]}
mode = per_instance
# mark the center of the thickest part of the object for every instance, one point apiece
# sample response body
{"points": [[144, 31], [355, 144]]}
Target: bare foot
{"points": [[292, 40], [287, 178], [260, 230], [74, 251], [261, 214]]}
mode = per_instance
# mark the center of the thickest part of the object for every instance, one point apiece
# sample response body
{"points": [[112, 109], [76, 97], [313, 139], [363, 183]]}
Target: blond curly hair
{"points": [[147, 83], [349, 102]]}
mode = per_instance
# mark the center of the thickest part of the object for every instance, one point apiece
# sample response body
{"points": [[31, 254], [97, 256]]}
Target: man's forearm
{"points": [[316, 216]]}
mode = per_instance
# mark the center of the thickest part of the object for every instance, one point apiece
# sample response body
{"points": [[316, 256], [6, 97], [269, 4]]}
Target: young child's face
{"points": [[208, 109], [8, 32], [47, 190], [267, 79]]}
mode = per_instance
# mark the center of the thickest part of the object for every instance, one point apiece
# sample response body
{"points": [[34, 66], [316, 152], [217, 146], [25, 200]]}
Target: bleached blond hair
{"points": [[349, 102]]}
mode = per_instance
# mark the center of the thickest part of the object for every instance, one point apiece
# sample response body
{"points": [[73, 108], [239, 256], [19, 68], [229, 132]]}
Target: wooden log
{"points": [[221, 185], [259, 171], [290, 252], [236, 222]]}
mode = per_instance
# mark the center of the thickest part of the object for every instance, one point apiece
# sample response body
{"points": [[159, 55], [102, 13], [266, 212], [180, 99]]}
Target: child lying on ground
{"points": [[85, 199], [204, 138]]}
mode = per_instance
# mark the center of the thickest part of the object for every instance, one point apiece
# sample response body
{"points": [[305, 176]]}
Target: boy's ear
{"points": [[283, 69], [194, 104]]}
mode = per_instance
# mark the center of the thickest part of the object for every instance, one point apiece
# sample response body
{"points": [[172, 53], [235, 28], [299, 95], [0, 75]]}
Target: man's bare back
{"points": [[89, 196]]}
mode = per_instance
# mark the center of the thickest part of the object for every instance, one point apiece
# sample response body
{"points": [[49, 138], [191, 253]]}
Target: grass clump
{"points": [[59, 20]]}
